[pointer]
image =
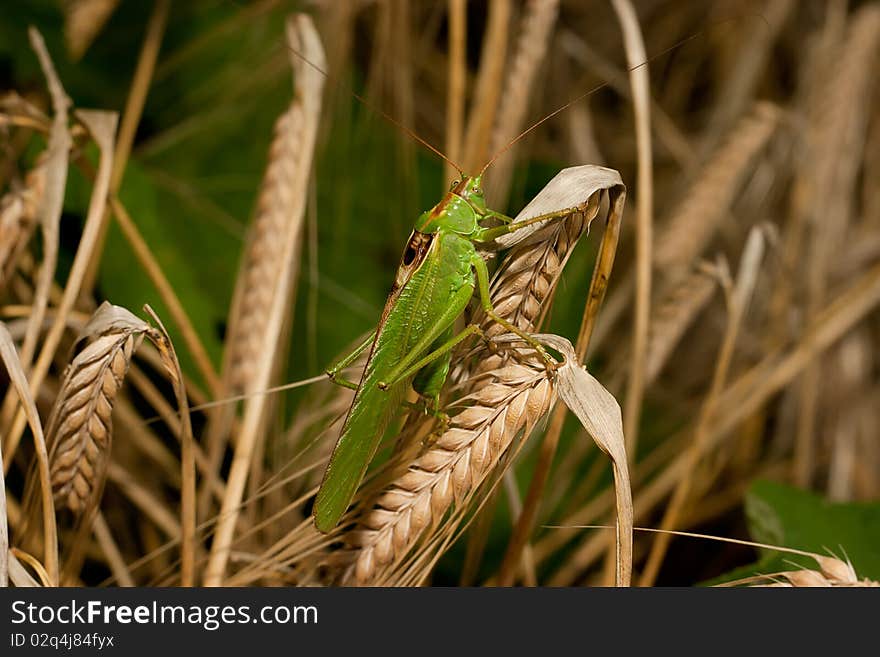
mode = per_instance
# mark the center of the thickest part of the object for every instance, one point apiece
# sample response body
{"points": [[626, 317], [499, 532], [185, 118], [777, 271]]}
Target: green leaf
{"points": [[195, 257], [783, 515]]}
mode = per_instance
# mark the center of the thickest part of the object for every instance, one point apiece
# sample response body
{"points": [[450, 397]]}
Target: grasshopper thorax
{"points": [[459, 211]]}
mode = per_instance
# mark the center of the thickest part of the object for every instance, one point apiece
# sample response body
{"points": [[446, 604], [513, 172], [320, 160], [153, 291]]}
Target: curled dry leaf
{"points": [[18, 574], [599, 413], [80, 427]]}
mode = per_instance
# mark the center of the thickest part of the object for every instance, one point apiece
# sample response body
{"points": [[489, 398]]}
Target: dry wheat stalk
{"points": [[271, 254], [18, 383], [487, 88], [502, 399], [101, 126], [80, 426], [752, 52], [531, 48], [700, 212], [52, 200], [849, 373], [827, 185], [749, 393], [634, 45]]}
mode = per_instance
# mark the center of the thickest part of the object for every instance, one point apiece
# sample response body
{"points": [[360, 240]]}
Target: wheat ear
{"points": [[700, 212], [681, 305], [80, 425], [285, 194], [831, 571], [18, 217]]}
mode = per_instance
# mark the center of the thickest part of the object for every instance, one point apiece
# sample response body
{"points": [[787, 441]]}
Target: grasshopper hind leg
{"points": [[429, 380], [335, 372]]}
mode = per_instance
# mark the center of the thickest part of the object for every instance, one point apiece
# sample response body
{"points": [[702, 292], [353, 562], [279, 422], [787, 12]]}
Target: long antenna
{"points": [[602, 85], [410, 133]]}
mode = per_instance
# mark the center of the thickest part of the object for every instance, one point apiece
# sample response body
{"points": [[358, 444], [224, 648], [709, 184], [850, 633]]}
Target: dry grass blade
{"points": [[738, 302], [19, 383], [698, 215], [4, 532], [502, 399], [49, 211], [18, 575], [116, 562], [83, 21], [745, 396], [169, 297], [80, 427], [187, 452], [102, 126], [739, 87], [488, 86], [282, 206], [457, 84], [134, 107], [638, 76]]}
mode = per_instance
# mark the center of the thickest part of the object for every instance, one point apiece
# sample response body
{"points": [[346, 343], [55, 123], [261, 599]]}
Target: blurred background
{"points": [[763, 119]]}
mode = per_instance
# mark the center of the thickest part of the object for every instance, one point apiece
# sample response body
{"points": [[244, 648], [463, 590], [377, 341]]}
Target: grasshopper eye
{"points": [[455, 183], [409, 255], [477, 191]]}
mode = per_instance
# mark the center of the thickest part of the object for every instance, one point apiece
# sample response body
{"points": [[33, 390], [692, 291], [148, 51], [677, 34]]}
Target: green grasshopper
{"points": [[440, 269], [438, 273]]}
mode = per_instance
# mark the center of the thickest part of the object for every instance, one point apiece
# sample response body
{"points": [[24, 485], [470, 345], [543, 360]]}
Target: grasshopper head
{"points": [[472, 192], [459, 210]]}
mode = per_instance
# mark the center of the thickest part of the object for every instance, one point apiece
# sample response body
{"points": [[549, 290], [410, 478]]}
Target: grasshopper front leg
{"points": [[511, 226], [482, 274]]}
